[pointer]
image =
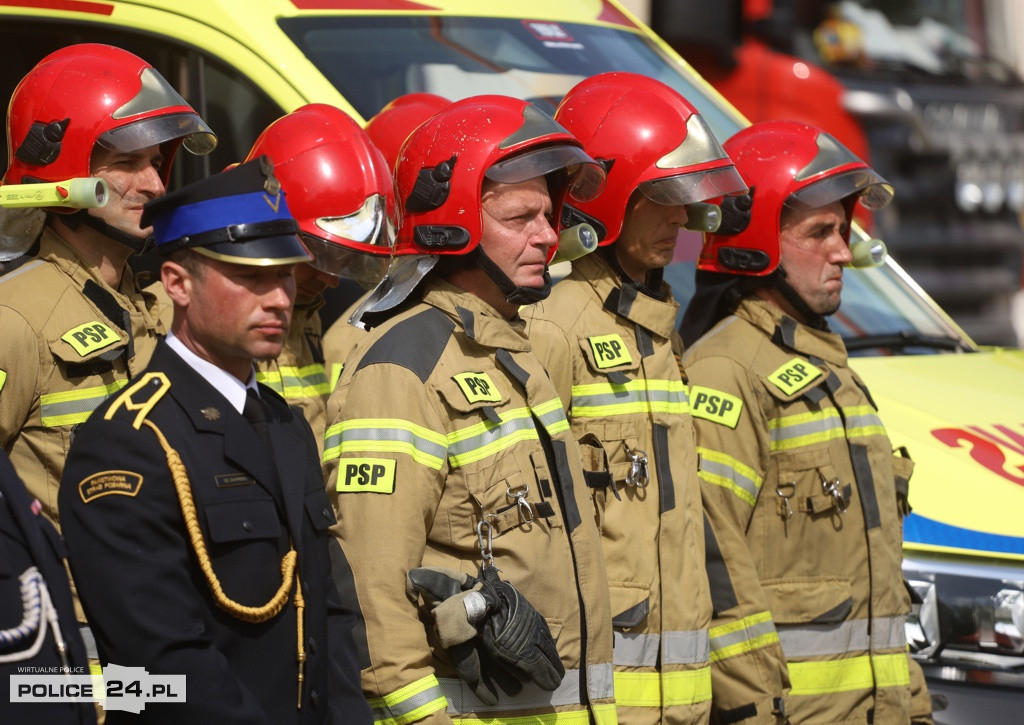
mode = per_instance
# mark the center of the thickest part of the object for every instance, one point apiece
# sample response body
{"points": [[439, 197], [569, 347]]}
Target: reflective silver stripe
{"points": [[476, 445], [816, 426], [724, 470], [553, 420], [680, 648], [20, 270], [635, 650], [408, 704], [308, 381], [635, 396], [865, 424], [601, 682], [461, 699], [686, 648], [89, 640], [398, 435], [745, 634], [816, 640]]}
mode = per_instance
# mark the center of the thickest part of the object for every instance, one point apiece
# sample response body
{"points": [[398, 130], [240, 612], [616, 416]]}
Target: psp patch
{"points": [[714, 405], [90, 337], [609, 351], [366, 475], [105, 483], [477, 387], [794, 376]]}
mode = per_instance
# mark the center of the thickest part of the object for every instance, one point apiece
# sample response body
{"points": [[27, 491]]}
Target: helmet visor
{"points": [[695, 186], [366, 269], [370, 227], [873, 191], [586, 176], [198, 138]]}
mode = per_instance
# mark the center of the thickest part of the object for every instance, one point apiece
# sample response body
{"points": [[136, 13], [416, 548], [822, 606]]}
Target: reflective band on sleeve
{"points": [[854, 673], [804, 429], [818, 640], [643, 650], [646, 689], [725, 471], [412, 702], [552, 416], [295, 383], [572, 717], [386, 435], [742, 636], [531, 697], [599, 400], [486, 439], [862, 421], [72, 407]]}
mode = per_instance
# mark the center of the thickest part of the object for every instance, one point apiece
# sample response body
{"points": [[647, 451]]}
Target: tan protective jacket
{"points": [[340, 341], [297, 374], [68, 341], [611, 352], [445, 419], [793, 453]]}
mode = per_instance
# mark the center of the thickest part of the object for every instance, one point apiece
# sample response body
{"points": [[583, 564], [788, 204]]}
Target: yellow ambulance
{"points": [[959, 410]]}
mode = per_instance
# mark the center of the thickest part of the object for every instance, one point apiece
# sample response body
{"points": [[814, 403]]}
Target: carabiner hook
{"points": [[485, 542], [638, 476]]}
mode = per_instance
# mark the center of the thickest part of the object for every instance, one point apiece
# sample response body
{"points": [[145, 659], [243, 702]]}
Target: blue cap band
{"points": [[204, 216]]}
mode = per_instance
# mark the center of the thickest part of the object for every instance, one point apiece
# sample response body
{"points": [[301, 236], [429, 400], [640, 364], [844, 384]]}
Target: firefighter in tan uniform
{"points": [[74, 323], [792, 450], [607, 336], [388, 129], [340, 190], [458, 485]]}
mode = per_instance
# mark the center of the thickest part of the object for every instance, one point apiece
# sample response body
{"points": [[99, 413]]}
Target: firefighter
{"points": [[607, 337], [193, 502], [75, 325], [792, 451], [458, 487], [388, 129], [340, 191]]}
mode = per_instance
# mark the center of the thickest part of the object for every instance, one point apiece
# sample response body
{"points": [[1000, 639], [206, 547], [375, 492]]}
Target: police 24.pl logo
{"points": [[119, 688]]}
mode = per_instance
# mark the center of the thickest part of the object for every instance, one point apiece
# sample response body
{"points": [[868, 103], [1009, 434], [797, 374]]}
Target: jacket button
{"points": [[327, 514], [314, 698], [312, 646], [246, 526]]}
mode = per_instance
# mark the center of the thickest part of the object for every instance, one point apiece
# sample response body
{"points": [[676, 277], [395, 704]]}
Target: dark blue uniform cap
{"points": [[238, 216]]}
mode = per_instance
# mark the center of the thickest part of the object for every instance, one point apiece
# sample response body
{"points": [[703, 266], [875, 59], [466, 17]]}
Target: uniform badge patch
{"points": [[477, 387], [90, 337], [122, 483], [609, 351], [366, 475], [795, 375], [229, 480], [714, 405]]}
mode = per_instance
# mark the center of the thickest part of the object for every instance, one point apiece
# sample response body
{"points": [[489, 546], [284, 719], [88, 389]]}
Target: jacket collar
{"points": [[480, 322], [788, 333], [657, 316]]}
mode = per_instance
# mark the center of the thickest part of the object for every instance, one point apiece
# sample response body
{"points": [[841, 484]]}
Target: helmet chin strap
{"points": [[812, 319], [514, 295], [84, 217], [650, 285]]}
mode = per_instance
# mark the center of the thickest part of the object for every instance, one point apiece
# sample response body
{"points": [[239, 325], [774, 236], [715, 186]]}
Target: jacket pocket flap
{"points": [[630, 605], [318, 508], [242, 520], [822, 600]]}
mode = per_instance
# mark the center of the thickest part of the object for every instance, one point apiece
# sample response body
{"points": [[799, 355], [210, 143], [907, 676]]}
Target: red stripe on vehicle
{"points": [[77, 6]]}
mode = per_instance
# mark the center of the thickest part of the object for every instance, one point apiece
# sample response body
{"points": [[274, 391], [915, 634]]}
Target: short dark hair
{"points": [[192, 261]]}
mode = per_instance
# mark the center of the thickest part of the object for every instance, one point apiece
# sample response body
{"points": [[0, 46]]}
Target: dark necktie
{"points": [[255, 411]]}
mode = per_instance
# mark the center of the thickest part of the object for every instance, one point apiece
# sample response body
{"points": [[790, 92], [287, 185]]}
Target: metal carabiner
{"points": [[790, 488], [518, 497], [638, 476], [832, 488], [485, 542]]}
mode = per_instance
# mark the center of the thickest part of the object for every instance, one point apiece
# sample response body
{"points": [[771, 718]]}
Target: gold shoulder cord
{"points": [[183, 487]]}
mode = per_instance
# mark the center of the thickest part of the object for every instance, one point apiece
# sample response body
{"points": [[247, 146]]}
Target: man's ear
{"points": [[177, 283]]}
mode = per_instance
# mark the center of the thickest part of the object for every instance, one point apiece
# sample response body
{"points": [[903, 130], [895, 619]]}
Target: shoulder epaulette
{"points": [[139, 398], [415, 343]]}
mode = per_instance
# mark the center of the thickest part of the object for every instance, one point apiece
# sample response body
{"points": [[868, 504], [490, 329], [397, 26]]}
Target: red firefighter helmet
{"points": [[338, 186], [787, 163], [392, 124], [442, 166], [89, 94], [649, 138]]}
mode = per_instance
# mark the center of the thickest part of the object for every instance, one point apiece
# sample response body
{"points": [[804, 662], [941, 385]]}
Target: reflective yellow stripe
{"points": [[412, 702], [644, 689], [71, 407], [821, 677], [573, 717], [862, 421], [386, 435], [336, 369], [803, 429], [272, 379], [742, 636], [293, 382], [552, 415], [483, 440], [596, 400], [723, 470]]}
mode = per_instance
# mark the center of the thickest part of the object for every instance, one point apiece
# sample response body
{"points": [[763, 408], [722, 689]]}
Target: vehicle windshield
{"points": [[939, 37], [375, 59]]}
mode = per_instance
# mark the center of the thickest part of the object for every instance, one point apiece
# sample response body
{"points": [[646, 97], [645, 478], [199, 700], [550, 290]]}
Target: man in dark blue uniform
{"points": [[37, 630], [193, 502]]}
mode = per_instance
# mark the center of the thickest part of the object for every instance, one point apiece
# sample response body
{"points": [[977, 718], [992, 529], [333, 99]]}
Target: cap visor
{"points": [[262, 252]]}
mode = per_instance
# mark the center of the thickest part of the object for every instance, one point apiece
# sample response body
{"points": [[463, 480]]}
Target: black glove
{"points": [[516, 636], [490, 631], [736, 213]]}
